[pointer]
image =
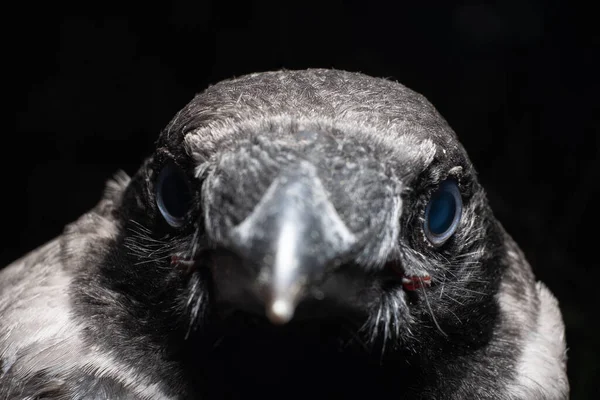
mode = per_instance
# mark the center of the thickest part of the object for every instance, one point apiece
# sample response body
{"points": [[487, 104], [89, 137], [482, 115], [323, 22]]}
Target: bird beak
{"points": [[293, 236]]}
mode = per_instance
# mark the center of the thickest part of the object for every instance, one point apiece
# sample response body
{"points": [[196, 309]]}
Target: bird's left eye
{"points": [[443, 213], [173, 195]]}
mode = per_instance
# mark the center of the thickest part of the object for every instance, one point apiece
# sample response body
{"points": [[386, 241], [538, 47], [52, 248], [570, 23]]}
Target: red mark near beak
{"points": [[411, 283], [182, 263]]}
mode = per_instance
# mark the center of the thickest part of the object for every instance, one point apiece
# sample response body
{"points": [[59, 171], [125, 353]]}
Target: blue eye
{"points": [[443, 213], [173, 195]]}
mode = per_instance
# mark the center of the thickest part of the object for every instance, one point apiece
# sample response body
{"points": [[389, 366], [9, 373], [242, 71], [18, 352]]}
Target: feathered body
{"points": [[124, 305]]}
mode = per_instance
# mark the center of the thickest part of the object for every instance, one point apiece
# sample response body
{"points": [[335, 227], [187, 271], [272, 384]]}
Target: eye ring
{"points": [[173, 195], [443, 213]]}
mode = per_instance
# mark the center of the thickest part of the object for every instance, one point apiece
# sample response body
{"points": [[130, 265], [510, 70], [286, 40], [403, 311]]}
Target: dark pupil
{"points": [[175, 195], [441, 213]]}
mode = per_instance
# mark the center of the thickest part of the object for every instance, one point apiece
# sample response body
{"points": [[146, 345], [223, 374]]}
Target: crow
{"points": [[295, 234]]}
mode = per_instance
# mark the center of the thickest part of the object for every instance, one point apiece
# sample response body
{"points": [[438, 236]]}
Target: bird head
{"points": [[312, 203]]}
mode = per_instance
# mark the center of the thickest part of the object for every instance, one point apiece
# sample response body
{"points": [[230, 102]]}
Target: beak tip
{"points": [[280, 311]]}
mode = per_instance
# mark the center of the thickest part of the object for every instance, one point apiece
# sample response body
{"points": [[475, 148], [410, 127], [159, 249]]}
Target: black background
{"points": [[516, 81]]}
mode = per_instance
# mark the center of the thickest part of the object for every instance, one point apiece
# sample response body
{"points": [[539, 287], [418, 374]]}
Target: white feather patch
{"points": [[541, 368]]}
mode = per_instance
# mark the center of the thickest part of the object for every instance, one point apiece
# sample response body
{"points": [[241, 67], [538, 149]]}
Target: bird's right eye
{"points": [[173, 195]]}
